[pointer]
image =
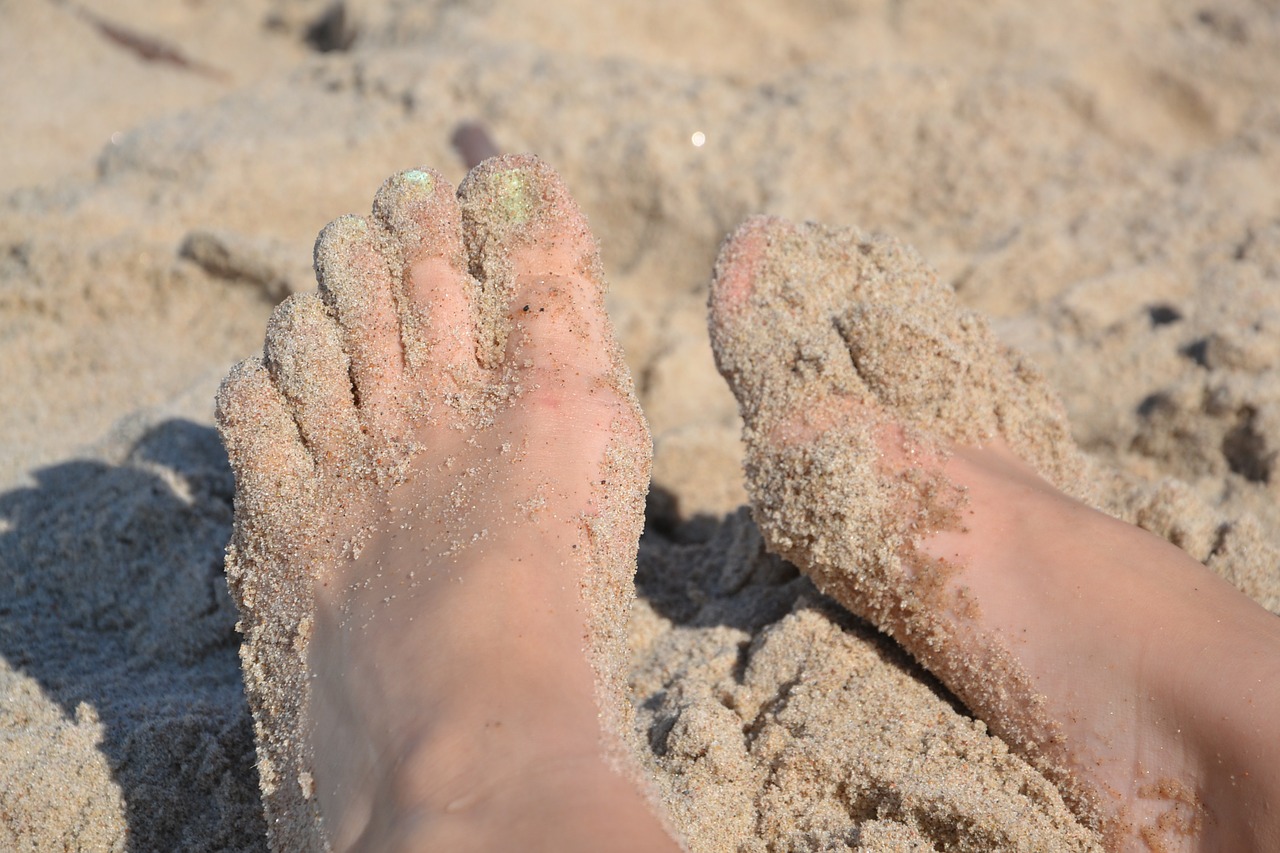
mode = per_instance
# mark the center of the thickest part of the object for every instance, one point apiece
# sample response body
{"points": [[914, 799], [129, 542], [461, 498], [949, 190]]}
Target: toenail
{"points": [[420, 178], [513, 194], [350, 223]]}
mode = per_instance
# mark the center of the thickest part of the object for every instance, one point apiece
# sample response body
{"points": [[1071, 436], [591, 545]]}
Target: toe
{"points": [[561, 339], [921, 356], [262, 440], [543, 311], [355, 281], [419, 212], [305, 358], [912, 366], [521, 225], [772, 326], [937, 367], [739, 265], [739, 273]]}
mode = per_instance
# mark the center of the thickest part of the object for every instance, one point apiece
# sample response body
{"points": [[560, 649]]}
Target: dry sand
{"points": [[1098, 179]]}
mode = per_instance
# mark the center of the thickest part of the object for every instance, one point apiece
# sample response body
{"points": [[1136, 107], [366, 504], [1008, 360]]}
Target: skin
{"points": [[1163, 677], [496, 732], [453, 699], [1158, 680], [453, 704]]}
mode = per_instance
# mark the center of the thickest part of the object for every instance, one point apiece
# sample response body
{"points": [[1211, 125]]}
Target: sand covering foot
{"points": [[855, 372], [357, 381]]}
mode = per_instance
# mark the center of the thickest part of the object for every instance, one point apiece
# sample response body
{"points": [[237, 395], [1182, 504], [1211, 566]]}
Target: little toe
{"points": [[262, 440], [520, 224], [419, 212], [305, 358], [355, 281]]}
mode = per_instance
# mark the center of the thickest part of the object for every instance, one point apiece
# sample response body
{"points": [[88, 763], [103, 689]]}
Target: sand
{"points": [[1096, 180]]}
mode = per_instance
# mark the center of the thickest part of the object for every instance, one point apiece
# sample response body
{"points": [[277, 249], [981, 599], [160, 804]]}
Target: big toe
{"points": [[529, 245], [543, 316], [772, 324]]}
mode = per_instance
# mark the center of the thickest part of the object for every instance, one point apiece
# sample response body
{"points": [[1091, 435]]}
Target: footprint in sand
{"points": [[440, 476]]}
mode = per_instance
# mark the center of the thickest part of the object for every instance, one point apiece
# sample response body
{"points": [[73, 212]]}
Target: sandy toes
{"points": [[440, 476], [924, 476]]}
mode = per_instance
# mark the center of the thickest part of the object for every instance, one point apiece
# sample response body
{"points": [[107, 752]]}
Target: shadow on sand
{"points": [[112, 595]]}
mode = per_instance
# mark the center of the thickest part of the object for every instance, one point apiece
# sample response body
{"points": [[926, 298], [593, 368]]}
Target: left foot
{"points": [[440, 477], [887, 432]]}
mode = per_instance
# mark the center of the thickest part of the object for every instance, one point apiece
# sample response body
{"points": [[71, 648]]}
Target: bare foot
{"points": [[887, 432], [440, 476]]}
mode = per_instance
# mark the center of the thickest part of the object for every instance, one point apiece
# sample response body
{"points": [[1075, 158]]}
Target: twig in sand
{"points": [[473, 143], [148, 48]]}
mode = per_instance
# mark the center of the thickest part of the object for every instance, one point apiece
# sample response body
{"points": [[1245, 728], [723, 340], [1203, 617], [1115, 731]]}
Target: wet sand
{"points": [[1098, 182]]}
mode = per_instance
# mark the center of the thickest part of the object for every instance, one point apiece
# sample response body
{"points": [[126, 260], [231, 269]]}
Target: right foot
{"points": [[886, 436], [440, 477]]}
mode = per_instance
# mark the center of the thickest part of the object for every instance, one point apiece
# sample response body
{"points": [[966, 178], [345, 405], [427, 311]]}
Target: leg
{"points": [[440, 472], [925, 478]]}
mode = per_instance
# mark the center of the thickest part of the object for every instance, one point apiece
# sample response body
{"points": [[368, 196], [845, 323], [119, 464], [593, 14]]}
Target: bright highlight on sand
{"points": [[698, 139]]}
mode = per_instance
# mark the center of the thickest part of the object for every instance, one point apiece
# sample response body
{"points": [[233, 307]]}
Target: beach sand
{"points": [[1098, 181]]}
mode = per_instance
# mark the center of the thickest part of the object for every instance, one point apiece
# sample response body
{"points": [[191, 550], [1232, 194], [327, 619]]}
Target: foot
{"points": [[925, 477], [440, 476]]}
